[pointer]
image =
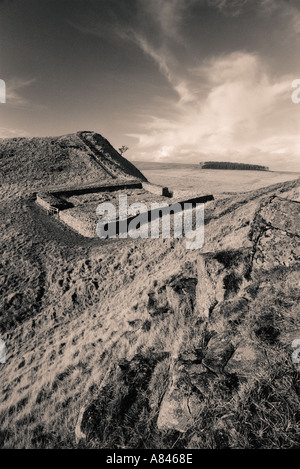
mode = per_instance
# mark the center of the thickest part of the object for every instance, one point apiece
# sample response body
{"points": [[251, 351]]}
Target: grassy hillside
{"points": [[28, 164], [107, 326]]}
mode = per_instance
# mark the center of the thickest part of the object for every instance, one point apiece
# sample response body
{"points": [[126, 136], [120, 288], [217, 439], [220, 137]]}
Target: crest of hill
{"points": [[69, 159]]}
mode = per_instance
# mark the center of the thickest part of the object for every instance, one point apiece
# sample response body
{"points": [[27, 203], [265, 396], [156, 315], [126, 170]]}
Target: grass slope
{"points": [[74, 312], [28, 164]]}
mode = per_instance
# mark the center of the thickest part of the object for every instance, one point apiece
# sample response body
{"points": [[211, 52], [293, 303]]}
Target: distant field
{"points": [[191, 177]]}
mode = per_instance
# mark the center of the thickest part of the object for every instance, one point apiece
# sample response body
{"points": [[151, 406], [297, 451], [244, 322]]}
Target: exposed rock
{"points": [[219, 351], [221, 294], [177, 294], [275, 248], [274, 235], [175, 413], [282, 214], [221, 276], [195, 356], [90, 419], [222, 298], [206, 290], [200, 377], [158, 304], [79, 435], [2, 351], [192, 381], [180, 405], [183, 290], [235, 310], [246, 361]]}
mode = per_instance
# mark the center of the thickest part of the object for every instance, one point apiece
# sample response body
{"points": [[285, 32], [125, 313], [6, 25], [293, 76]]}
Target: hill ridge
{"points": [[80, 157]]}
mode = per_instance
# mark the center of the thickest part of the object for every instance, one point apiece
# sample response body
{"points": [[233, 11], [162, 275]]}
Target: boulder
{"points": [[233, 310], [180, 405], [219, 351], [246, 361]]}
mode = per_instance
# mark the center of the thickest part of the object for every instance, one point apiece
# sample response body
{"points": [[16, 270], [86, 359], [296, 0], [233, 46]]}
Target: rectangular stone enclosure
{"points": [[84, 221]]}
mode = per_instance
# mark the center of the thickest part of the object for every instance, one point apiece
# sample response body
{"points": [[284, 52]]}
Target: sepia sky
{"points": [[175, 80]]}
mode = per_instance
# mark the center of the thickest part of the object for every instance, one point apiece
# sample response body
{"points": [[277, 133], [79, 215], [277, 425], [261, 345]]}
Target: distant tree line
{"points": [[228, 165]]}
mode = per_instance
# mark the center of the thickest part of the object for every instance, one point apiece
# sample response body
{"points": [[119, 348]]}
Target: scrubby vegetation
{"points": [[229, 165]]}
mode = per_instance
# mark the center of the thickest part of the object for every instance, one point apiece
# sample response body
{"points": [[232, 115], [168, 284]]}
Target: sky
{"points": [[181, 81]]}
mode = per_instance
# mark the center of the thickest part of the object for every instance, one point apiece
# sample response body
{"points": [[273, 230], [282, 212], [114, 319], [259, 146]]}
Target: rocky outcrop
{"points": [[193, 377], [176, 295], [245, 361], [226, 304], [224, 296], [282, 214], [221, 276], [275, 241]]}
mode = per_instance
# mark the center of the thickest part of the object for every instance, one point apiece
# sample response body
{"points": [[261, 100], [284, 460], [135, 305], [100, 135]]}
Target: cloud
{"points": [[154, 27], [229, 7], [163, 41], [167, 66], [14, 89], [237, 7], [157, 33], [235, 103], [244, 111], [229, 106], [11, 133], [168, 15]]}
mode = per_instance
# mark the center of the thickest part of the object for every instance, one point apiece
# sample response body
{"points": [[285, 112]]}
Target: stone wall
{"points": [[86, 225], [87, 189], [49, 201], [86, 228], [43, 203], [157, 190]]}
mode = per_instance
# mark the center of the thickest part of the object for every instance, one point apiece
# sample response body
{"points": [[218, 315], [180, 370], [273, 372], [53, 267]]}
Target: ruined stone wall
{"points": [[157, 190], [43, 203], [86, 228]]}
